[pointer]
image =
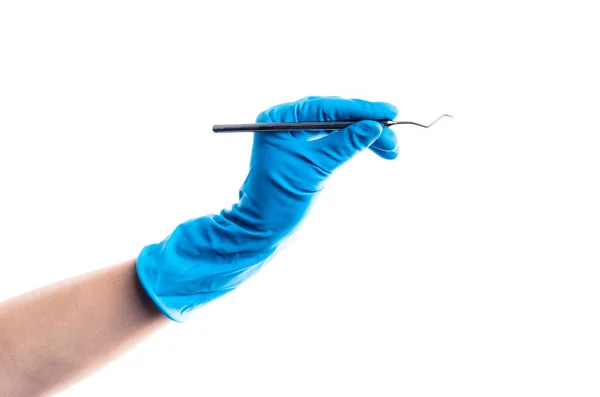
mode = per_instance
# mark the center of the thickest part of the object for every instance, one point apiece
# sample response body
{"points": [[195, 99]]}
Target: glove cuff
{"points": [[202, 259]]}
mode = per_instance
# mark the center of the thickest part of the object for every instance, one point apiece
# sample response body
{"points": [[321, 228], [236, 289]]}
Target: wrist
{"points": [[201, 260]]}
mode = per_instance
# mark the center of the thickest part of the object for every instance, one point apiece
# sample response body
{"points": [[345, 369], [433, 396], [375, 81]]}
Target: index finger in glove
{"points": [[328, 108]]}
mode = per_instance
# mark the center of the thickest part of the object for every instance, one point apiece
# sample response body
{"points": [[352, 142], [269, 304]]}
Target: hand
{"points": [[207, 257], [287, 169]]}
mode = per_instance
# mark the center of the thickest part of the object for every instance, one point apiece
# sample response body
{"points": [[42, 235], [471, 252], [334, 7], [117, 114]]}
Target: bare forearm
{"points": [[55, 336]]}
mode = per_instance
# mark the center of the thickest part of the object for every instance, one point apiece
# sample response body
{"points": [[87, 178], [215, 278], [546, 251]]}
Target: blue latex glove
{"points": [[207, 257]]}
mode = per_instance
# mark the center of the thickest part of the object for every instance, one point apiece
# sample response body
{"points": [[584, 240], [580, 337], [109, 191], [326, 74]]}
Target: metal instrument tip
{"points": [[390, 123]]}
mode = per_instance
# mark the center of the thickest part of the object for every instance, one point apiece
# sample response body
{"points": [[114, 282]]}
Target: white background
{"points": [[466, 267]]}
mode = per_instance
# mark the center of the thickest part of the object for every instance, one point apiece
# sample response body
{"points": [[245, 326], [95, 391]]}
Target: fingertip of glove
{"points": [[390, 110], [369, 126], [386, 154], [367, 131], [387, 140]]}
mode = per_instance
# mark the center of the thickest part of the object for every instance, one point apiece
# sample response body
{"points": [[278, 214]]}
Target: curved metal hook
{"points": [[391, 123]]}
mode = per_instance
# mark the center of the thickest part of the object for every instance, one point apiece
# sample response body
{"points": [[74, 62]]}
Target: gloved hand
{"points": [[207, 257]]}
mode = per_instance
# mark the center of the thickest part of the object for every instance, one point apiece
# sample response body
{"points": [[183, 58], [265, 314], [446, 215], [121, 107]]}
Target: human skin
{"points": [[55, 336]]}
